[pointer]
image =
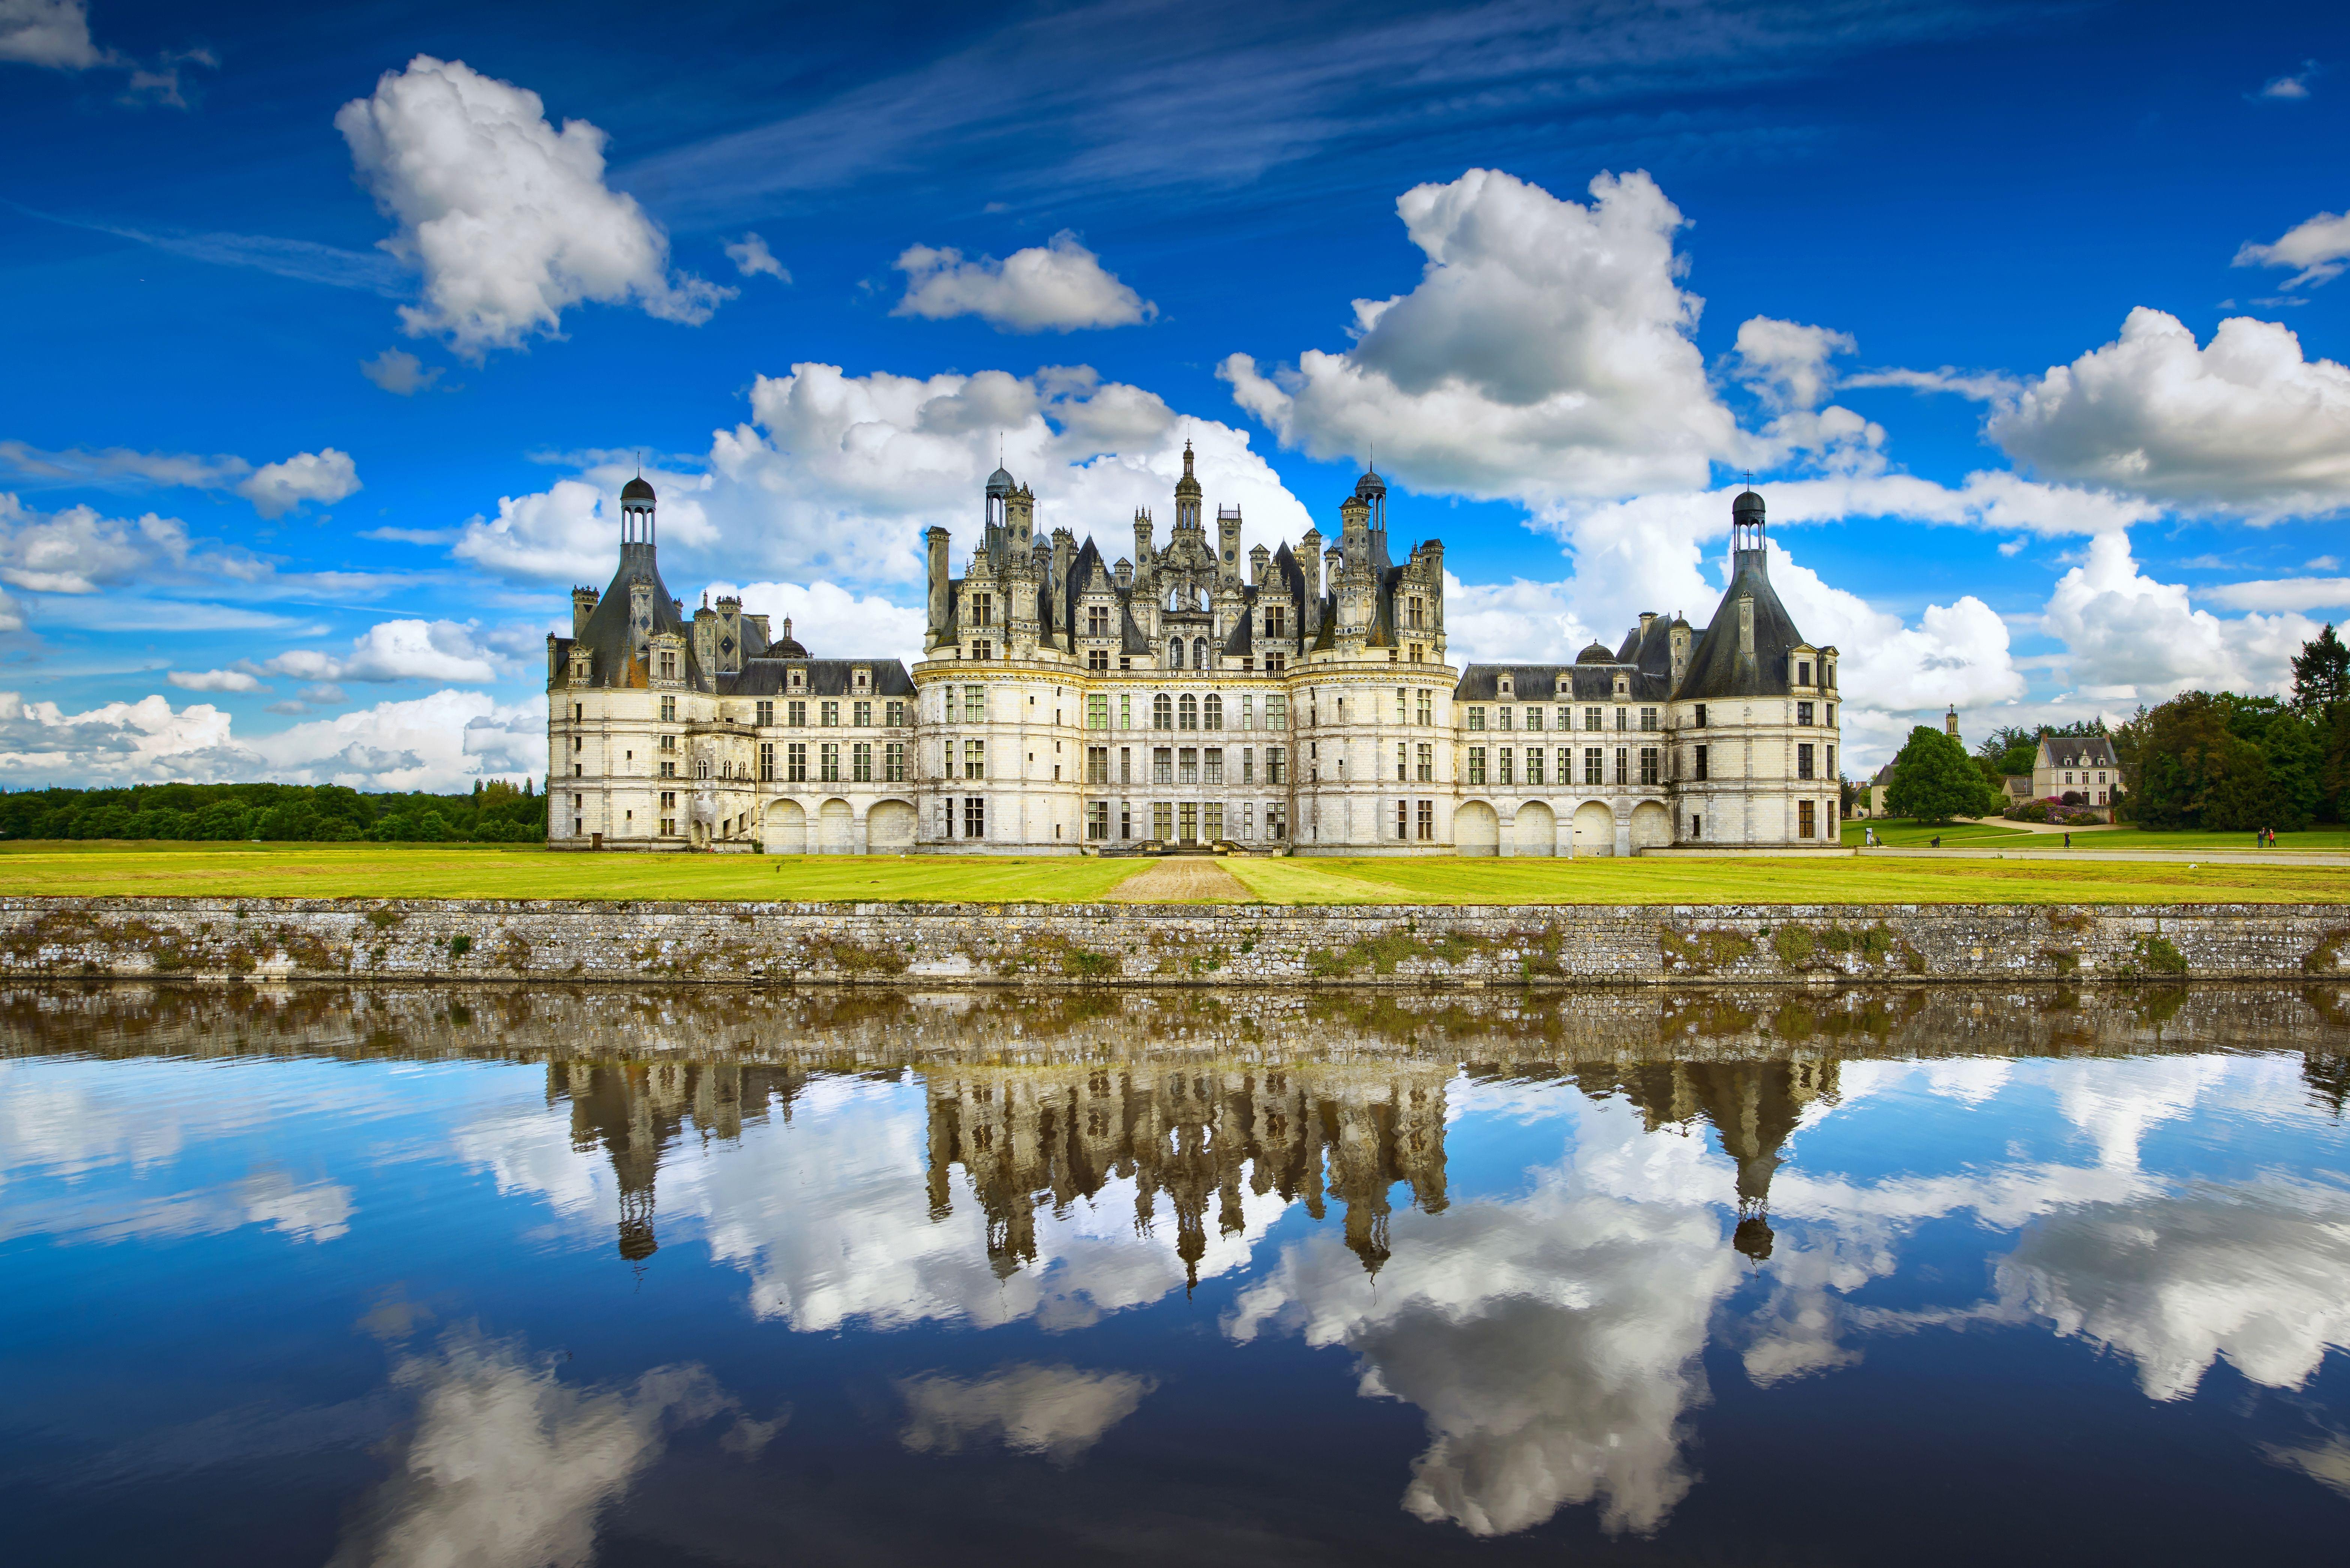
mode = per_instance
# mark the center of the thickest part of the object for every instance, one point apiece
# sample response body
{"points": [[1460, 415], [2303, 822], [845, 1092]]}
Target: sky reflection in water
{"points": [[395, 1279]]}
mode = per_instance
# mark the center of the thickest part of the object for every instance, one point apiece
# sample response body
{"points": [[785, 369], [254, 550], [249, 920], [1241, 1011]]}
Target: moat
{"points": [[514, 1276]]}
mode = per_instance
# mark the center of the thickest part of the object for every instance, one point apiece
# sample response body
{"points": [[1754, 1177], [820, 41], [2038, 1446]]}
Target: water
{"points": [[504, 1278]]}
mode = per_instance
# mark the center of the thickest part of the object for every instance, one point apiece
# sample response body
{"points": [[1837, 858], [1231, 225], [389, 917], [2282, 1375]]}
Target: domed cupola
{"points": [[1598, 653]]}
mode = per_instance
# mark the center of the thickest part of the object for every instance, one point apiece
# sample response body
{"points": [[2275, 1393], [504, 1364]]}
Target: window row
{"points": [[1184, 821], [860, 761], [1189, 764], [1602, 765], [1188, 711], [1505, 717]]}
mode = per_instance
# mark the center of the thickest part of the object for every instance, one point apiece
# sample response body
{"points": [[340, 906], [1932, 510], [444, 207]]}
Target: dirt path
{"points": [[1182, 879]]}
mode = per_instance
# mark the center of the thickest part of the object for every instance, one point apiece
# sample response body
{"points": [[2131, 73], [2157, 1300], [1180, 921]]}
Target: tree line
{"points": [[495, 811], [2213, 760]]}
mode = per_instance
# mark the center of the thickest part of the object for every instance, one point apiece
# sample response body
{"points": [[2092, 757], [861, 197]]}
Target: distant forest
{"points": [[495, 812]]}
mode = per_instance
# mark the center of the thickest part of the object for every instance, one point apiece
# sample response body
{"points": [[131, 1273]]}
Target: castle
{"points": [[1063, 703]]}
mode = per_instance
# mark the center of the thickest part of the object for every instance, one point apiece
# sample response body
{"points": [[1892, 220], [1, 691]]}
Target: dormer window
{"points": [[799, 679], [1505, 687], [864, 680], [1804, 672]]}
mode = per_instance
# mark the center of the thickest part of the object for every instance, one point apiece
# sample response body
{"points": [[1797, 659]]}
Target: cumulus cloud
{"points": [[752, 258], [2129, 638], [508, 220], [399, 372], [215, 680], [2290, 87], [2318, 249], [325, 477], [829, 620], [82, 551], [1058, 1412], [839, 475], [53, 33], [394, 651], [2245, 425], [2283, 594], [1785, 363], [1546, 353], [1058, 287], [507, 1466]]}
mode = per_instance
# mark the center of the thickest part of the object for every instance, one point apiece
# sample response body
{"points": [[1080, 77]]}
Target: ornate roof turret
{"points": [[1598, 653], [786, 646], [1000, 483], [637, 490], [1189, 483]]}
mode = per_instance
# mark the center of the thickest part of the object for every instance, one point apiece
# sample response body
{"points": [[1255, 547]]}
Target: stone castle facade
{"points": [[1300, 701]]}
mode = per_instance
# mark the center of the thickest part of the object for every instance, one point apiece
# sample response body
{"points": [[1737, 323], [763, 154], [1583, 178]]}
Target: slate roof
{"points": [[1558, 683], [2092, 752], [1717, 667], [824, 677]]}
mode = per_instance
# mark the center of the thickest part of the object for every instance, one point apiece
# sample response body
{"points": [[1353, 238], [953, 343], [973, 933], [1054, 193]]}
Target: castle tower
{"points": [[637, 533], [1187, 496]]}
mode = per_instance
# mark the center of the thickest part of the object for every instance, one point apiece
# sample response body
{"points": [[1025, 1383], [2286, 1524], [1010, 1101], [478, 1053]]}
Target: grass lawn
{"points": [[1838, 881], [1901, 833], [520, 871], [526, 871]]}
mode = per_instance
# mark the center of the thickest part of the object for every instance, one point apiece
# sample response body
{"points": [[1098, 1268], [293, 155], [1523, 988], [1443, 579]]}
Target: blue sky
{"points": [[335, 330]]}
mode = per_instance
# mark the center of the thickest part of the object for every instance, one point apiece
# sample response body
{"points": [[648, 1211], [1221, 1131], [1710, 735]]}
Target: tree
{"points": [[2321, 675], [1934, 780]]}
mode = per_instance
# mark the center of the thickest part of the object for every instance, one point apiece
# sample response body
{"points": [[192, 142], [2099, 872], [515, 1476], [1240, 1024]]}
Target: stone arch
{"points": [[1652, 826], [1198, 653], [1595, 828], [784, 830], [1476, 829], [1535, 831], [1175, 653], [890, 827], [836, 827]]}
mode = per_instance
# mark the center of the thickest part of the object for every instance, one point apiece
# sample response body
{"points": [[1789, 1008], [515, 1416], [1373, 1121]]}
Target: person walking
{"points": [[2068, 841]]}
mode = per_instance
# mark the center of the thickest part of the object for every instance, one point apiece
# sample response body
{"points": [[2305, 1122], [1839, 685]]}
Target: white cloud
{"points": [[752, 258], [215, 680], [2245, 425], [79, 551], [837, 475], [1058, 286], [2128, 636], [2283, 594], [508, 219], [1979, 386], [399, 372], [830, 621], [53, 33], [2318, 247], [2289, 88], [1785, 363], [394, 651], [1546, 353], [505, 1465], [1057, 1411], [324, 477], [119, 742]]}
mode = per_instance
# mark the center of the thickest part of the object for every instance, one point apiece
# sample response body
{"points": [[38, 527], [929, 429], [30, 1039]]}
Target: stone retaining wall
{"points": [[1066, 945]]}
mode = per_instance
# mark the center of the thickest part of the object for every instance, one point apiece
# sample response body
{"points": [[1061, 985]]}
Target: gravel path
{"points": [[1183, 879]]}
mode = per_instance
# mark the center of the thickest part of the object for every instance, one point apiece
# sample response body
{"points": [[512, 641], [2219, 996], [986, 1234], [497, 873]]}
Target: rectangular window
{"points": [[1248, 713], [669, 742], [1623, 719], [1098, 821], [1276, 768], [1647, 717], [1403, 762], [1424, 762], [1806, 819], [1829, 720], [1648, 764], [1427, 819], [1162, 820], [1276, 713], [1190, 822], [1803, 713], [1162, 764], [1211, 821], [796, 762], [1803, 678], [1096, 765], [1700, 716], [1187, 766], [860, 762], [983, 609], [1830, 770], [1533, 718], [828, 715], [1215, 760], [974, 816], [1125, 711], [1276, 819], [795, 714], [1533, 765], [1126, 764], [669, 800], [1403, 819], [1476, 718], [974, 704], [767, 713], [1592, 719], [766, 761], [1097, 711], [1803, 761], [829, 763], [1594, 770], [862, 714], [668, 710], [1403, 705], [1623, 764], [893, 712], [1698, 772], [893, 762], [1424, 706], [1125, 819], [1501, 757], [1276, 620], [974, 759], [1476, 764], [1501, 717]]}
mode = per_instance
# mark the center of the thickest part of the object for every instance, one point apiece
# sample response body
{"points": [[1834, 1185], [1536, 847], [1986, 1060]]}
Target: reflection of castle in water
{"points": [[1027, 1137], [1753, 1106], [1034, 1138]]}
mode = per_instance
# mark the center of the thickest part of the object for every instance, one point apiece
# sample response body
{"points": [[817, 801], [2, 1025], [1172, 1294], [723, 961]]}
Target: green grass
{"points": [[1901, 833], [526, 871], [1793, 880], [487, 871]]}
